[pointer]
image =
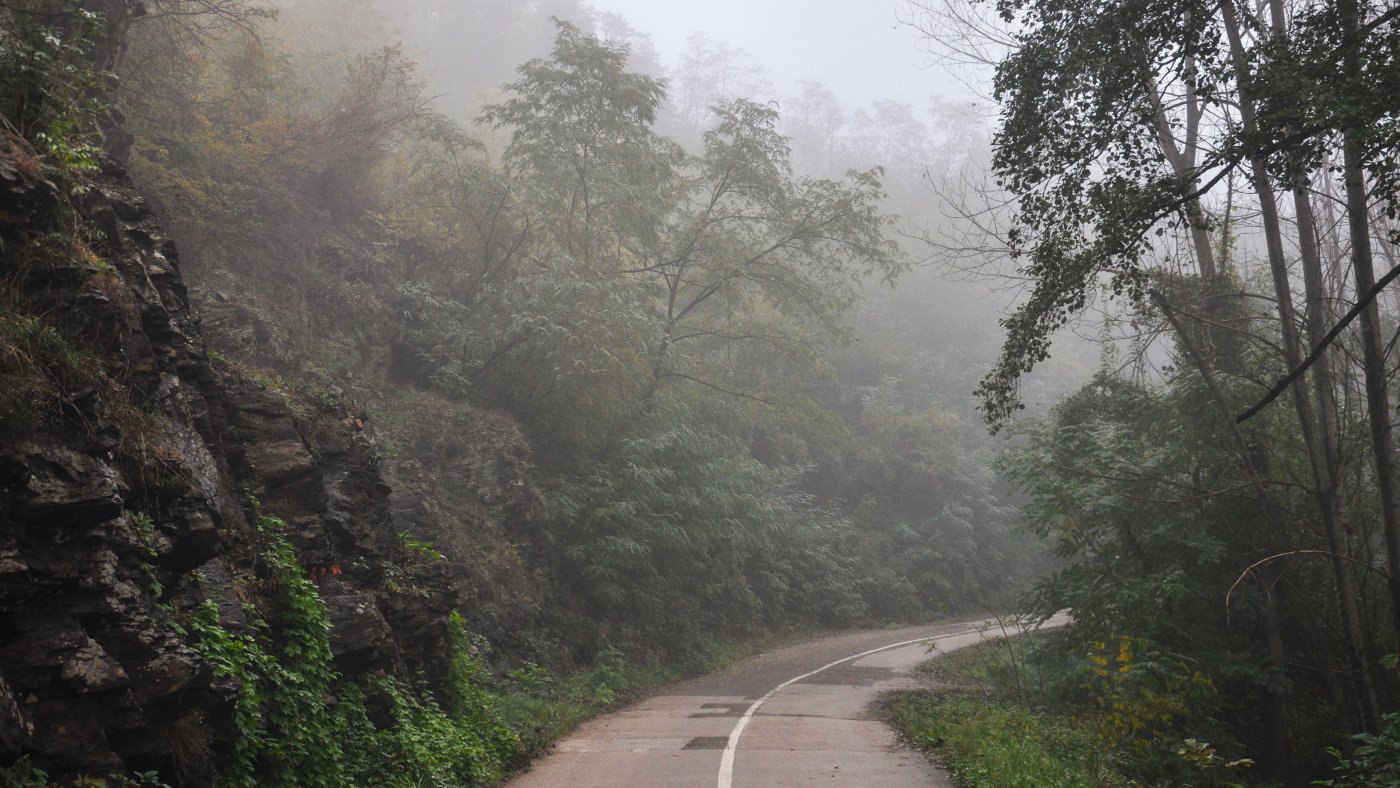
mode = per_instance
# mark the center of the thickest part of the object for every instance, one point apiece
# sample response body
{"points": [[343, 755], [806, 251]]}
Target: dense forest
{"points": [[385, 386]]}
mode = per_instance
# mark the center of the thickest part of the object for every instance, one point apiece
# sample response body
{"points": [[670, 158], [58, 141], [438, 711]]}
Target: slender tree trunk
{"points": [[1182, 166], [1329, 490], [1313, 441], [1182, 163], [1276, 711], [1373, 362], [1372, 343]]}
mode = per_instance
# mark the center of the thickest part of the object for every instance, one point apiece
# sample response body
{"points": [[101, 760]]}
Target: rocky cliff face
{"points": [[124, 505], [94, 513]]}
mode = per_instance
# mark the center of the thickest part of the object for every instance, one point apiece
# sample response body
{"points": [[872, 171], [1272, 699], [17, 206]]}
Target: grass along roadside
{"points": [[981, 728], [542, 705], [982, 742]]}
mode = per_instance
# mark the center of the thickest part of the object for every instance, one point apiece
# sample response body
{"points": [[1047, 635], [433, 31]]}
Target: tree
{"points": [[756, 256], [580, 134], [726, 249], [710, 74], [1120, 123], [814, 120], [1149, 515], [689, 279]]}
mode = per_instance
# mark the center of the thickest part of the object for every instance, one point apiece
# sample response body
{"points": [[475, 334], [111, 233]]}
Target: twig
{"points": [[1249, 570]]}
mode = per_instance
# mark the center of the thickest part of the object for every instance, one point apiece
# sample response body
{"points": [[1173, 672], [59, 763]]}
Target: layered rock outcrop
{"points": [[123, 507], [95, 514]]}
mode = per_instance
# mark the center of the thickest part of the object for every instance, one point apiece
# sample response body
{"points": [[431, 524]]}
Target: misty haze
{"points": [[622, 393]]}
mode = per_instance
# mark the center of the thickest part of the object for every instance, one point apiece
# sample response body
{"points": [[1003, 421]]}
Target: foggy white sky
{"points": [[856, 47]]}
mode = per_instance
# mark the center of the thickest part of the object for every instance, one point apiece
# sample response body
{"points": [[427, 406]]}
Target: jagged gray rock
{"points": [[93, 675]]}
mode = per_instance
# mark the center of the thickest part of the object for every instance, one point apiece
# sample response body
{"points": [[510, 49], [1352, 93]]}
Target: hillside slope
{"points": [[139, 480]]}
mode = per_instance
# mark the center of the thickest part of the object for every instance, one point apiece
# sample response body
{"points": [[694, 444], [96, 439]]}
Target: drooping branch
{"points": [[1249, 570]]}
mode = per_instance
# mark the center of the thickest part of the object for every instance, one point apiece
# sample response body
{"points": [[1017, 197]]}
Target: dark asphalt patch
{"points": [[850, 676], [721, 710], [707, 743]]}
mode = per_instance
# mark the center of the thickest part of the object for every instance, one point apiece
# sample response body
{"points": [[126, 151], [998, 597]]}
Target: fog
{"points": [[858, 48], [401, 382], [855, 87]]}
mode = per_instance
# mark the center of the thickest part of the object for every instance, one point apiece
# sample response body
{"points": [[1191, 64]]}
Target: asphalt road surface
{"points": [[799, 715]]}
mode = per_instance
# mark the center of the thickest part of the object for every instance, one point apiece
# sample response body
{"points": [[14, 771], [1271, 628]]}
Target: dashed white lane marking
{"points": [[726, 762]]}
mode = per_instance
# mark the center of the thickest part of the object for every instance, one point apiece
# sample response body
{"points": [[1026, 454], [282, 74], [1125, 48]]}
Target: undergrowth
{"points": [[542, 705], [298, 723], [986, 727], [24, 774], [1011, 713], [982, 743], [52, 372]]}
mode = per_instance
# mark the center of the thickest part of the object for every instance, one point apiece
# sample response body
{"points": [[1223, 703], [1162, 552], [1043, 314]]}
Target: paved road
{"points": [[797, 715]]}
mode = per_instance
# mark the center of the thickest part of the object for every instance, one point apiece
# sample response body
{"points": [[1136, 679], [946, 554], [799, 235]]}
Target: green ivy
{"points": [[297, 692], [281, 734], [24, 774], [425, 745], [145, 530], [468, 699], [288, 731]]}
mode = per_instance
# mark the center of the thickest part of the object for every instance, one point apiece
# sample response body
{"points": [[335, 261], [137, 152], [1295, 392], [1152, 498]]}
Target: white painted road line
{"points": [[726, 763], [822, 730]]}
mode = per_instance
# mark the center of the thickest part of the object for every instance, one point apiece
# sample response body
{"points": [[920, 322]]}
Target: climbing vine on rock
{"points": [[296, 722]]}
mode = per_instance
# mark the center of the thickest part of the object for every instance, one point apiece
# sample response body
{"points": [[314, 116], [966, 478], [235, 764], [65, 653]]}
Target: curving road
{"points": [[799, 714]]}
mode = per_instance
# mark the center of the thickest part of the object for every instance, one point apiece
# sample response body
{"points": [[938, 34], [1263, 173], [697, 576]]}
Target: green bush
{"points": [[48, 84], [281, 734], [424, 746], [1374, 763], [298, 723], [1018, 716]]}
